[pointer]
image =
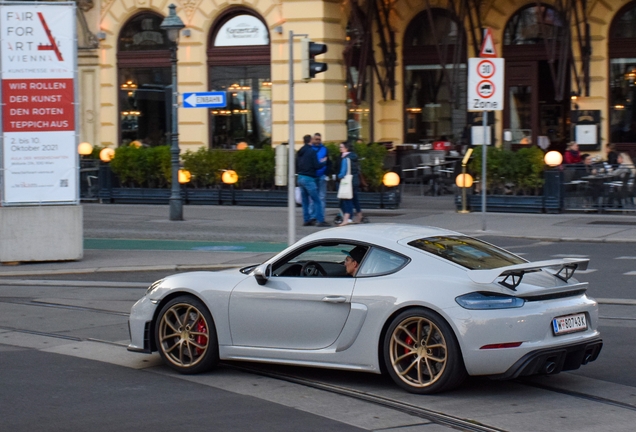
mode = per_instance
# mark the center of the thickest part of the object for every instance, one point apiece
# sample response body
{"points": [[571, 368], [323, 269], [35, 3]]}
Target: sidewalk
{"points": [[141, 237]]}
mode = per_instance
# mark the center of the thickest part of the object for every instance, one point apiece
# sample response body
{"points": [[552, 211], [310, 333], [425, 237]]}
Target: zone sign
{"points": [[485, 84]]}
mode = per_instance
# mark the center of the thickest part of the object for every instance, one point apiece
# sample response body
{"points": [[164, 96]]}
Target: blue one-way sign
{"points": [[215, 99]]}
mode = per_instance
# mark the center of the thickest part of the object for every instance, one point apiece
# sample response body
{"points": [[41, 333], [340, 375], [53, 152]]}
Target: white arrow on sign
{"points": [[192, 100]]}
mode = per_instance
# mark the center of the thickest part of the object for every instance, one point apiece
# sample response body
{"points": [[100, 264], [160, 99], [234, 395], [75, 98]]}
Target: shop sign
{"points": [[242, 30], [39, 137]]}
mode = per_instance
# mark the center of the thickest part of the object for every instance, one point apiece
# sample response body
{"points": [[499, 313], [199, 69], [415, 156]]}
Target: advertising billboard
{"points": [[38, 55]]}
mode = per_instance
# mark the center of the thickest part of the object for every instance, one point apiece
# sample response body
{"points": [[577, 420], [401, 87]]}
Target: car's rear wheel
{"points": [[186, 336], [421, 353]]}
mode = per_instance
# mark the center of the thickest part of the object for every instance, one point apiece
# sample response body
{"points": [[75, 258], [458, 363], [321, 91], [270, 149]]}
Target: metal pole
{"points": [[483, 172], [291, 180], [176, 203]]}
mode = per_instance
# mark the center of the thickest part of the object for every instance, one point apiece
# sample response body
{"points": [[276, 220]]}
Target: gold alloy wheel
{"points": [[418, 352], [183, 335]]}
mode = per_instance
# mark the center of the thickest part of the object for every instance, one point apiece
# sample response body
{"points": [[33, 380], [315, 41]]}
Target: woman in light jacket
{"points": [[347, 154]]}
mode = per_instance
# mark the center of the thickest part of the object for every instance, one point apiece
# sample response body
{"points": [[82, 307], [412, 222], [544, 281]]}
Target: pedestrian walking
{"points": [[349, 166], [322, 175], [307, 165]]}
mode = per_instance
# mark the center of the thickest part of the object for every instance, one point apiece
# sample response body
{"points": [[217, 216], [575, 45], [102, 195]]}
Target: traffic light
{"points": [[309, 50]]}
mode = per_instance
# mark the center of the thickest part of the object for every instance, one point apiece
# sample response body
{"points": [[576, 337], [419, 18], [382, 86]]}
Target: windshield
{"points": [[468, 252]]}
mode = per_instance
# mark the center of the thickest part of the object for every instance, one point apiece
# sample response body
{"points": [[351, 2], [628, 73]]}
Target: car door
{"points": [[292, 311]]}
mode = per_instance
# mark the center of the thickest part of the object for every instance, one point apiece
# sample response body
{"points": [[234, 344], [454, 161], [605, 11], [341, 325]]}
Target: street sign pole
{"points": [[485, 94], [484, 152], [291, 163]]}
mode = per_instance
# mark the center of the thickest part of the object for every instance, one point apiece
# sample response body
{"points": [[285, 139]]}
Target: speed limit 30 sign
{"points": [[485, 84]]}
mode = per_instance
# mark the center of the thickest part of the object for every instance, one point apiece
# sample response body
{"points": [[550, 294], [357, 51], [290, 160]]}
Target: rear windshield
{"points": [[468, 252]]}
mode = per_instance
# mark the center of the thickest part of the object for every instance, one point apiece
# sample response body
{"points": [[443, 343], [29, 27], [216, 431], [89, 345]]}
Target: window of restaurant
{"points": [[535, 106], [435, 78], [622, 82], [239, 64], [359, 86], [144, 77]]}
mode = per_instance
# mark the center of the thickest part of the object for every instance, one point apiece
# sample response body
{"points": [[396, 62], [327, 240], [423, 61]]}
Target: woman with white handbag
{"points": [[349, 181]]}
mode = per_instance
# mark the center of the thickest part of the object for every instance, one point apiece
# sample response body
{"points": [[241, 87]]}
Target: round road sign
{"points": [[486, 69], [485, 89]]}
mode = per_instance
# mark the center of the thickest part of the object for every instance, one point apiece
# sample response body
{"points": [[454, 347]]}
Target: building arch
{"points": [[434, 75], [537, 84], [622, 78], [143, 77], [239, 63]]}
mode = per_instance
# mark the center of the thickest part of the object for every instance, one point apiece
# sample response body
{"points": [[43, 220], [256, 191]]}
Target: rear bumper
{"points": [[554, 360]]}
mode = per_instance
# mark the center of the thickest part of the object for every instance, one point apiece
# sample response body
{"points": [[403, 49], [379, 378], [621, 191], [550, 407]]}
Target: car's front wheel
{"points": [[186, 336], [421, 353]]}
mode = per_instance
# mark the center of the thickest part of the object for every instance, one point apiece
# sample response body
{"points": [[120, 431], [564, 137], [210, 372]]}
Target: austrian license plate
{"points": [[569, 324]]}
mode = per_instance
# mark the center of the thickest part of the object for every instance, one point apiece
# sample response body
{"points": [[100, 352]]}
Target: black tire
{"points": [[186, 336], [421, 353]]}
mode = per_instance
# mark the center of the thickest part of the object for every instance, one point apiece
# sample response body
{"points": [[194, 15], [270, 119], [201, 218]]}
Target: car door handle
{"points": [[334, 299]]}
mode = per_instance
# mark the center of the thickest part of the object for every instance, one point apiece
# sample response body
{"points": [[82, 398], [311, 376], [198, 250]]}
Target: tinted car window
{"points": [[466, 251], [380, 261]]}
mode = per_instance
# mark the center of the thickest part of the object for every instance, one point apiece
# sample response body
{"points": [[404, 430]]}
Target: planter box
{"points": [[227, 196], [139, 196], [507, 203]]}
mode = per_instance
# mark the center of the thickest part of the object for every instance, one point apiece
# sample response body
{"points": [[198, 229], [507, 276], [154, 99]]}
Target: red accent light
{"points": [[502, 345]]}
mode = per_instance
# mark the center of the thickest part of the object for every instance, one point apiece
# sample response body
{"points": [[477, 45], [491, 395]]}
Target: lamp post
{"points": [[172, 24]]}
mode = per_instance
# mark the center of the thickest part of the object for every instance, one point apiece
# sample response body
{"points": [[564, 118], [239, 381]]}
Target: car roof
{"points": [[385, 234]]}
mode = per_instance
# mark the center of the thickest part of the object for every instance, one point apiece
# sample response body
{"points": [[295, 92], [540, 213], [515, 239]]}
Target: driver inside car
{"points": [[353, 259]]}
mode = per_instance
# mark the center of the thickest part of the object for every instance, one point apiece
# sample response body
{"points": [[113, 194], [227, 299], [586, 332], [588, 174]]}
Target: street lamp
{"points": [[172, 24]]}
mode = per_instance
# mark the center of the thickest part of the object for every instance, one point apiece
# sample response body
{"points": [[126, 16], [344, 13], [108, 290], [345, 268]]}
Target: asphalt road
{"points": [[82, 378]]}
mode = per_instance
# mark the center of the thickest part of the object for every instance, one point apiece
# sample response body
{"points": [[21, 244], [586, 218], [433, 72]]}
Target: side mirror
{"points": [[262, 273]]}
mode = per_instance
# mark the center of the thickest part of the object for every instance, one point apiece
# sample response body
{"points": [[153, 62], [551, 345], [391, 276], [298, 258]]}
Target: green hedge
{"points": [[511, 173], [151, 166]]}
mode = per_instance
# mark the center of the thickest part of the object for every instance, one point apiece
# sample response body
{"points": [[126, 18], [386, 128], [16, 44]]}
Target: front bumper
{"points": [[140, 326], [554, 360]]}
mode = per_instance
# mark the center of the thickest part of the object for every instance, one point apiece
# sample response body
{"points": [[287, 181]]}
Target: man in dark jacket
{"points": [[307, 165]]}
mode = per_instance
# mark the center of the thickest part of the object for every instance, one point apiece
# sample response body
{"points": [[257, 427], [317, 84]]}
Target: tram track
{"points": [[391, 403]]}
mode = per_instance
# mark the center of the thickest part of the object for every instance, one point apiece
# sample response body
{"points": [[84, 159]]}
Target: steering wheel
{"points": [[312, 268]]}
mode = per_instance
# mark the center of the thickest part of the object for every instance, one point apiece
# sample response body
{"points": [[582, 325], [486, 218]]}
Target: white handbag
{"points": [[345, 190]]}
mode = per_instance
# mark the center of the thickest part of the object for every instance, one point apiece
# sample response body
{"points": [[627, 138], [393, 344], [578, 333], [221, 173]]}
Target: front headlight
{"points": [[152, 287], [478, 300]]}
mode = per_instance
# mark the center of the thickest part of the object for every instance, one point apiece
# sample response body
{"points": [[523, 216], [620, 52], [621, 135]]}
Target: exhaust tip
{"points": [[587, 359], [549, 367]]}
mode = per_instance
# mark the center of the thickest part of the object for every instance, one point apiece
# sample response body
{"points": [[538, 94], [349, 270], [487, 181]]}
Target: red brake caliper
{"points": [[201, 340], [409, 341]]}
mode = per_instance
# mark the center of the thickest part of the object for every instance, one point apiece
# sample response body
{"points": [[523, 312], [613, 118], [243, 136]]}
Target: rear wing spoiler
{"points": [[513, 274]]}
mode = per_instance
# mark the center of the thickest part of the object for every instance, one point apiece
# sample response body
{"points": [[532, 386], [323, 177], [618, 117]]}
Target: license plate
{"points": [[569, 324]]}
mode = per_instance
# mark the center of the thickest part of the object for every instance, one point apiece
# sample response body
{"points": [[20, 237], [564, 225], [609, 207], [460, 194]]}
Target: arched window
{"points": [[359, 64], [622, 82], [239, 64], [144, 72], [533, 25], [435, 78], [536, 102]]}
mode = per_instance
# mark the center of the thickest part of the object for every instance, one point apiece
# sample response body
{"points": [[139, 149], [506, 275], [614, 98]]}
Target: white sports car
{"points": [[426, 305]]}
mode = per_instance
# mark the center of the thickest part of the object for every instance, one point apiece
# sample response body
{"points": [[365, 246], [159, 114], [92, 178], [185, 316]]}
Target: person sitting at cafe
{"points": [[612, 156], [589, 167], [572, 154], [625, 166]]}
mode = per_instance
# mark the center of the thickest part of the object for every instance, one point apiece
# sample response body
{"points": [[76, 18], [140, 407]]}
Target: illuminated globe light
{"points": [[107, 154], [553, 158], [184, 176], [391, 179], [241, 146], [464, 180], [85, 148], [229, 177], [135, 143]]}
